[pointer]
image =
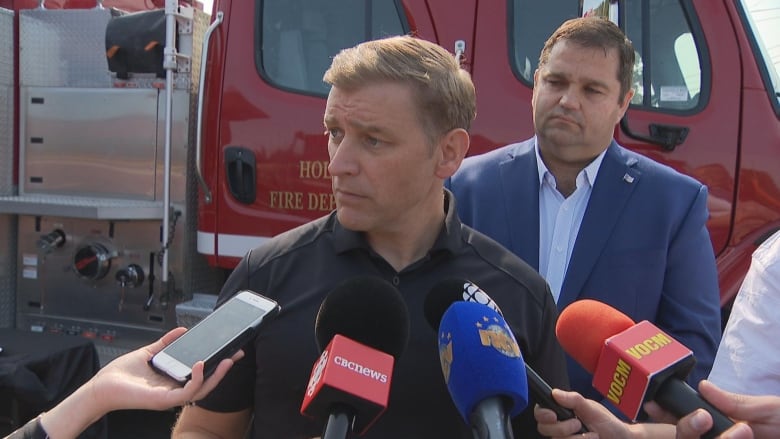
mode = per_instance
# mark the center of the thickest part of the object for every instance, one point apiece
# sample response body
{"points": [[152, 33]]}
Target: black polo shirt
{"points": [[300, 267]]}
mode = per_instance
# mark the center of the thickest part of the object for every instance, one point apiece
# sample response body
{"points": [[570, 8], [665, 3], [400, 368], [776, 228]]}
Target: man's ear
{"points": [[624, 105], [451, 150]]}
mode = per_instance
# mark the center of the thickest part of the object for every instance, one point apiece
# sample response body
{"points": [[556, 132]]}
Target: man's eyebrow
{"points": [[552, 75], [588, 81], [365, 127], [597, 83]]}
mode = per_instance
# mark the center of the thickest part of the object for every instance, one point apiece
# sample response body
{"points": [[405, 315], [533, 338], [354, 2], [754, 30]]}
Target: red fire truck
{"points": [[117, 202]]}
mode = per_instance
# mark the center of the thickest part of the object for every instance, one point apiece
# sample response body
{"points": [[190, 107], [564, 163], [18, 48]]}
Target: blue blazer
{"points": [[643, 246]]}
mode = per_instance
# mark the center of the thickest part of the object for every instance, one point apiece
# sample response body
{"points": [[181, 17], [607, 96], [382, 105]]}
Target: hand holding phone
{"points": [[218, 336]]}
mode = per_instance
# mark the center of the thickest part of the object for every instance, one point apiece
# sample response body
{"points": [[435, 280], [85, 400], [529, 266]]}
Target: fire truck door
{"points": [[686, 109], [271, 135]]}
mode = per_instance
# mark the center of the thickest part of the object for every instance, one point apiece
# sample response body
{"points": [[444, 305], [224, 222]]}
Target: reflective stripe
{"points": [[229, 245]]}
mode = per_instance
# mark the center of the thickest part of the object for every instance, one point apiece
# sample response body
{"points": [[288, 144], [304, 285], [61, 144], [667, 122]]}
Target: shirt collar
{"points": [[448, 239], [591, 171]]}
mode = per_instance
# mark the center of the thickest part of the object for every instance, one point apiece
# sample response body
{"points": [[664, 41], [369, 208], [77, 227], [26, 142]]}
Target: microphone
{"points": [[449, 291], [483, 368], [362, 327], [632, 363]]}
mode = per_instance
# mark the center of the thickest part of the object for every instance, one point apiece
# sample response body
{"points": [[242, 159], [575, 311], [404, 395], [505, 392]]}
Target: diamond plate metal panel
{"points": [[6, 140], [8, 233], [201, 21], [63, 48], [7, 222], [6, 101], [6, 47]]}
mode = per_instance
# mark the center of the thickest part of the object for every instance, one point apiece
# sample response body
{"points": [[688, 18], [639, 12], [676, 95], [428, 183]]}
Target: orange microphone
{"points": [[632, 362]]}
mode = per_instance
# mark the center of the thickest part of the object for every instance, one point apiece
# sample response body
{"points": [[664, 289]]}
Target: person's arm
{"points": [[759, 416], [601, 423], [128, 382], [694, 425], [747, 360]]}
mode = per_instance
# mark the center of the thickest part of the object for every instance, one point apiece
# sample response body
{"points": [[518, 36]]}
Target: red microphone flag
{"points": [[632, 359], [352, 374]]}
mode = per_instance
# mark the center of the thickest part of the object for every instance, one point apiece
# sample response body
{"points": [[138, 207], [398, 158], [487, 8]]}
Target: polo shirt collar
{"points": [[448, 239]]}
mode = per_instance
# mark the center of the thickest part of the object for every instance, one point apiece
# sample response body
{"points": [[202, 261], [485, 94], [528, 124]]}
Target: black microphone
{"points": [[448, 291], [362, 327]]}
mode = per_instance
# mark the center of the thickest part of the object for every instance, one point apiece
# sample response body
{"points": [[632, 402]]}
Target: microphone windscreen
{"points": [[449, 291], [480, 358], [368, 310], [583, 327]]}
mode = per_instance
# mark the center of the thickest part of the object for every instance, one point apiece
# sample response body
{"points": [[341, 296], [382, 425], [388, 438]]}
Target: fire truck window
{"points": [[300, 37], [667, 73], [684, 50], [763, 18], [532, 23]]}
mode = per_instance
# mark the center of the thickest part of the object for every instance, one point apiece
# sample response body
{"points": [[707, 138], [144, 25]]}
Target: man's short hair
{"points": [[443, 92], [596, 32]]}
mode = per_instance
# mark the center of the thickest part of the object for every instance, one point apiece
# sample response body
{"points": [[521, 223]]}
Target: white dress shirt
{"points": [[748, 358], [560, 219]]}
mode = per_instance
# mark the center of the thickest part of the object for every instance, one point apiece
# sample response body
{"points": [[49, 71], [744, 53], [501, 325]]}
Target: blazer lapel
{"points": [[520, 181], [616, 180]]}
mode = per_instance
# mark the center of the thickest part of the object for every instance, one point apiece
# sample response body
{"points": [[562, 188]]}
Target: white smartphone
{"points": [[218, 336]]}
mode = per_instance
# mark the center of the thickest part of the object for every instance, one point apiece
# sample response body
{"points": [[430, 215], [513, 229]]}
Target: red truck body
{"points": [[732, 143]]}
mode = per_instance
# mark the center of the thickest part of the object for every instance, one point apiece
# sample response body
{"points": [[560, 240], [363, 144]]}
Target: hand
{"points": [[129, 382], [761, 413], [694, 425], [600, 421]]}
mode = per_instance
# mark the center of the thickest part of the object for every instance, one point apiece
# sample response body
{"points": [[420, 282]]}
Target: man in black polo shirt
{"points": [[397, 117]]}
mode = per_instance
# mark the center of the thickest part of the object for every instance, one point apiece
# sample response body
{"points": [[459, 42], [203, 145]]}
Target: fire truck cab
{"points": [[706, 103]]}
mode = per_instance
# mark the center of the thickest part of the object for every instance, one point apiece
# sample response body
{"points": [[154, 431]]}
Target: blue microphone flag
{"points": [[480, 358]]}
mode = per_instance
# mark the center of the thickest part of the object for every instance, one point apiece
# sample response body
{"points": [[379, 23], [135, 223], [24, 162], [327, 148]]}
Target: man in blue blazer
{"points": [[597, 220]]}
